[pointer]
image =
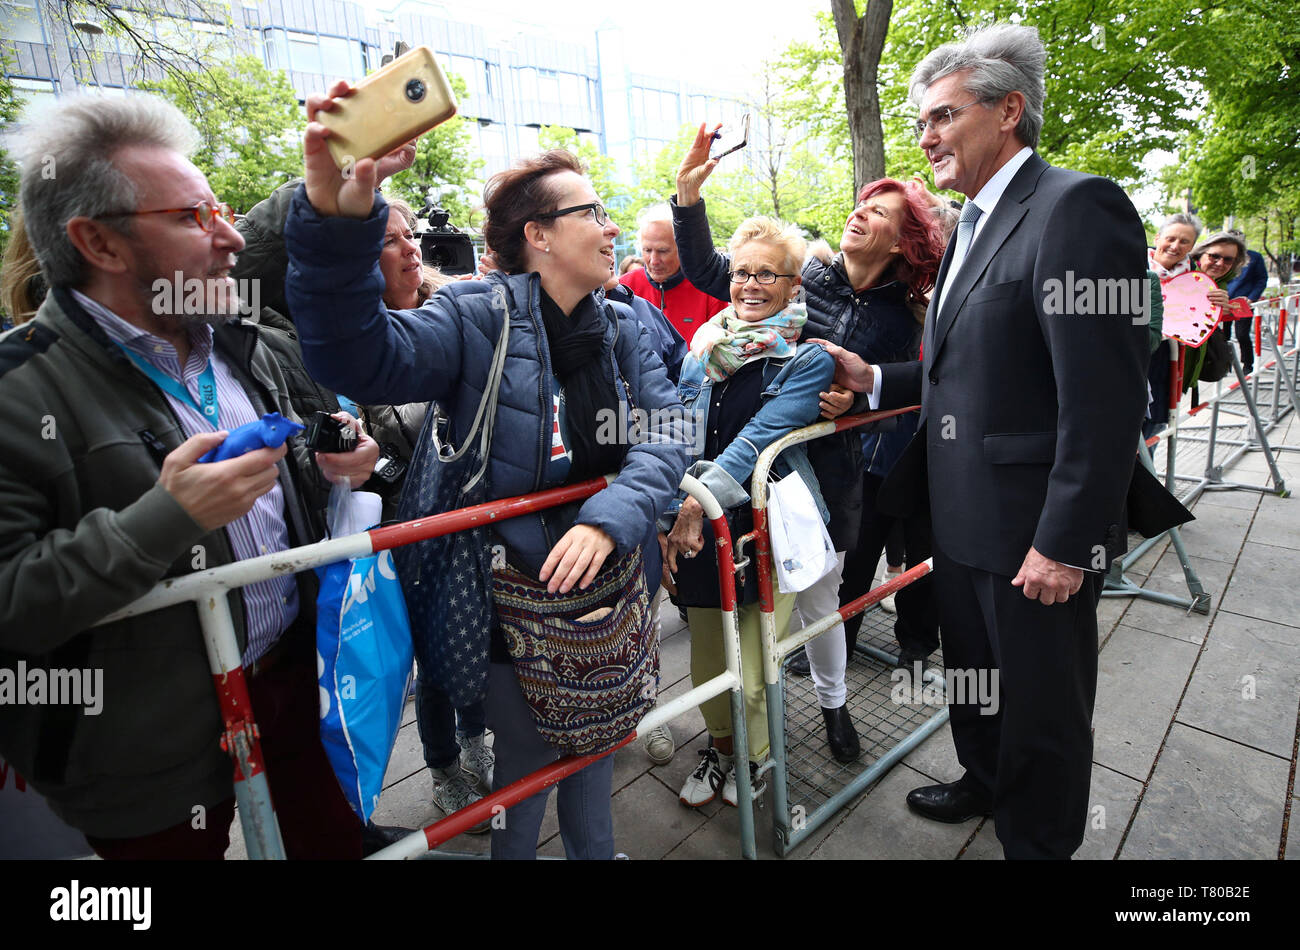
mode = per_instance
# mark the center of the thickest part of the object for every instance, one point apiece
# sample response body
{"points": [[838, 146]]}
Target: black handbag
{"points": [[448, 580], [1217, 360], [697, 577]]}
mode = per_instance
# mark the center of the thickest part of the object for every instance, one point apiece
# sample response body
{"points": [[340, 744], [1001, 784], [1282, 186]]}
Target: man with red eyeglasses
{"points": [[135, 366]]}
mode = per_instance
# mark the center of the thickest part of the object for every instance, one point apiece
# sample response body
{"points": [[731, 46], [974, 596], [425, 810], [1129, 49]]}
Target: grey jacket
{"points": [[84, 530]]}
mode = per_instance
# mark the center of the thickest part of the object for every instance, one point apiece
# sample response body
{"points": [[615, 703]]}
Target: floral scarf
{"points": [[726, 342]]}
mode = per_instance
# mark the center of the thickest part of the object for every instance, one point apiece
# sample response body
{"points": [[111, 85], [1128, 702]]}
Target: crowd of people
{"points": [[1014, 475]]}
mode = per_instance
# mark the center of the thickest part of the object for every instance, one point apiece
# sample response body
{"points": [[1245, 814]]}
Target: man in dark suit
{"points": [[1033, 391]]}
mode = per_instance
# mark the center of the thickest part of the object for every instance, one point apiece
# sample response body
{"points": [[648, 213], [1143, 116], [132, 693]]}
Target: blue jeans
{"points": [[586, 825], [436, 720]]}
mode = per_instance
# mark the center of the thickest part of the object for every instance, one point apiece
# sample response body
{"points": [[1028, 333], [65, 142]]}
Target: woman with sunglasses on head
{"points": [[869, 299], [567, 362]]}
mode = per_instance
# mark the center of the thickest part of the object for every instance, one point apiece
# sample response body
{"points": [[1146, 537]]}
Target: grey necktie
{"points": [[970, 213]]}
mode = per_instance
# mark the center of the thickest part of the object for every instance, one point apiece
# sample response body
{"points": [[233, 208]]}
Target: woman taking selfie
{"points": [[567, 362]]}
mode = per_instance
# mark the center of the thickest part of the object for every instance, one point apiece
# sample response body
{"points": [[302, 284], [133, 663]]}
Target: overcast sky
{"points": [[708, 41]]}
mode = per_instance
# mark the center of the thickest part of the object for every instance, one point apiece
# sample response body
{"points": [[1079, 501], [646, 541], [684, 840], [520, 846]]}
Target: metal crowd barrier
{"points": [[791, 827], [207, 589]]}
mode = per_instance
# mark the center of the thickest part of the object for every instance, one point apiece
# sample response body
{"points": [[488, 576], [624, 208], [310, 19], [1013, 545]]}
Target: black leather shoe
{"points": [[799, 664], [840, 734], [953, 803], [376, 838]]}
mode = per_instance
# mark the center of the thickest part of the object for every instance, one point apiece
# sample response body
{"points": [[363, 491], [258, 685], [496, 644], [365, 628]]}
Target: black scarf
{"points": [[577, 344]]}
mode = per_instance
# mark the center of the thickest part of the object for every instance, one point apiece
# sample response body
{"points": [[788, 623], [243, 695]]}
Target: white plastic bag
{"points": [[801, 545]]}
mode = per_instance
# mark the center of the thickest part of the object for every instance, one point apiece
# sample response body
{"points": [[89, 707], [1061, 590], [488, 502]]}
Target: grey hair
{"points": [[659, 213], [1182, 217], [1222, 237], [67, 159], [1002, 58]]}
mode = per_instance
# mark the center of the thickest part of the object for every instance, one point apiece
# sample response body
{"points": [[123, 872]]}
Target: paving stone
{"points": [[1263, 585], [1277, 522], [1260, 713], [1210, 798], [1111, 800], [649, 821], [1140, 677], [985, 846], [1245, 500], [1110, 611], [1293, 836], [674, 657], [1217, 532], [1171, 620], [407, 758], [881, 827], [936, 757], [719, 837]]}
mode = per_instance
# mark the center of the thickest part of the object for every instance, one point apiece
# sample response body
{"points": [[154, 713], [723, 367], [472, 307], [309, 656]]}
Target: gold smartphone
{"points": [[393, 105]]}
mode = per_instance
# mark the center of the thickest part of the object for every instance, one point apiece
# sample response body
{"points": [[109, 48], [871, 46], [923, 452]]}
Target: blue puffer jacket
{"points": [[790, 400], [442, 351], [875, 323], [668, 342]]}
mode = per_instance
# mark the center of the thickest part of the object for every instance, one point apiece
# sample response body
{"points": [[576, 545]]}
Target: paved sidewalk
{"points": [[1196, 721]]}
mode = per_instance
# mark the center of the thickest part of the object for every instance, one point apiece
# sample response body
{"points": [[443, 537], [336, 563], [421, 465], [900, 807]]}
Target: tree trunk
{"points": [[862, 40]]}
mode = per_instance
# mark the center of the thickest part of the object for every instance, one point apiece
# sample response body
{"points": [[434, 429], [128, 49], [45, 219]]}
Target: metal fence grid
{"points": [[813, 774]]}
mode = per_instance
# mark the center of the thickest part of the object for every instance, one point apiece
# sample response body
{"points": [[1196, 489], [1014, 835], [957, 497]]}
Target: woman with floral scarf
{"points": [[748, 382]]}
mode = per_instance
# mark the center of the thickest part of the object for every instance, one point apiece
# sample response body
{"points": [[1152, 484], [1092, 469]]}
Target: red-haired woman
{"points": [[870, 299]]}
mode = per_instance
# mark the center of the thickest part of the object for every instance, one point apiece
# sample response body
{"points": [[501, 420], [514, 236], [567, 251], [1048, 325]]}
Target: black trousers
{"points": [[916, 625], [1031, 748], [1245, 333]]}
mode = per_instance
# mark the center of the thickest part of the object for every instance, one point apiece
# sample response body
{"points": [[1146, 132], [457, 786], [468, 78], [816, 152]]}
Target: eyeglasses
{"points": [[940, 121], [595, 207], [1219, 258], [205, 213], [763, 276]]}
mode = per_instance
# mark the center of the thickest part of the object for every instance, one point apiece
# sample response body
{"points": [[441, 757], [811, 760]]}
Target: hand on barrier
{"points": [[217, 493], [696, 166], [576, 558], [357, 465], [1047, 581], [852, 372], [836, 402], [687, 536], [332, 191], [667, 581]]}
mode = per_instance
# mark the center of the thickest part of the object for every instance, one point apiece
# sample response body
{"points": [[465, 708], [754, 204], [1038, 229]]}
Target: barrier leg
{"points": [[240, 738]]}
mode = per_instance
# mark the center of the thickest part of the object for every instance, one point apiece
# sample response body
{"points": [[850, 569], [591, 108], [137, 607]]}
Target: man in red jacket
{"points": [[662, 282]]}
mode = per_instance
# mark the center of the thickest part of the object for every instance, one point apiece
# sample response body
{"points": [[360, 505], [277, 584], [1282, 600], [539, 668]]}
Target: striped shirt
{"points": [[270, 606]]}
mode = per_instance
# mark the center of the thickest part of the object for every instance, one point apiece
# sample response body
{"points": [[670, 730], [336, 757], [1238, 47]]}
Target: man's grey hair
{"points": [[659, 213], [1182, 217], [1002, 59], [67, 158]]}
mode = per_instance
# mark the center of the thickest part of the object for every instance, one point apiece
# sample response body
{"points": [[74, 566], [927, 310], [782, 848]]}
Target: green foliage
{"points": [[250, 126], [444, 161], [9, 109]]}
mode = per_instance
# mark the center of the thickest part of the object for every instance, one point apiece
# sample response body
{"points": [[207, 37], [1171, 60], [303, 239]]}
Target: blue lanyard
{"points": [[207, 408]]}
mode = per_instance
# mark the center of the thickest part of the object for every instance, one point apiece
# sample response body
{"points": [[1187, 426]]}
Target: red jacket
{"points": [[686, 307]]}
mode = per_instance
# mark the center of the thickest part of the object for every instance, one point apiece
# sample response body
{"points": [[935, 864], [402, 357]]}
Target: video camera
{"points": [[443, 245]]}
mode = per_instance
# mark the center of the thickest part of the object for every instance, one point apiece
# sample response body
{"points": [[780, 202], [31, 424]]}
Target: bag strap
{"points": [[485, 416]]}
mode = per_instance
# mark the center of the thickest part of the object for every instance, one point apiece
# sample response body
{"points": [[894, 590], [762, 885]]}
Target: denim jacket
{"points": [[790, 401]]}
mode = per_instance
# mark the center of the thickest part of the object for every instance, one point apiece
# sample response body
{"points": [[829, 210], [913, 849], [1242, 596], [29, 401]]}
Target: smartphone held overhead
{"points": [[393, 105], [730, 138]]}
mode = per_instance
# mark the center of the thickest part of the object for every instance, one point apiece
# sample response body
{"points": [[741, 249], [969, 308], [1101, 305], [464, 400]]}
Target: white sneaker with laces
{"points": [[702, 785], [729, 794], [659, 745]]}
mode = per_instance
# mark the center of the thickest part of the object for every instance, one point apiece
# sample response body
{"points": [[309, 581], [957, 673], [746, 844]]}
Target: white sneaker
{"points": [[729, 794], [703, 784], [477, 758], [659, 745], [453, 790]]}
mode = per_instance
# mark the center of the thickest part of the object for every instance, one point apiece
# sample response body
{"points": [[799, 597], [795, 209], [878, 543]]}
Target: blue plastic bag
{"points": [[363, 658]]}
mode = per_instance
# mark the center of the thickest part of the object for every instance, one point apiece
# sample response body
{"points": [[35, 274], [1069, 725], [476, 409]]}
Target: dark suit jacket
{"points": [[1031, 409]]}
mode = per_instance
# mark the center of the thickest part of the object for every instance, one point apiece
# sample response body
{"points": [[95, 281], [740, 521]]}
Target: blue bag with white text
{"points": [[363, 658]]}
